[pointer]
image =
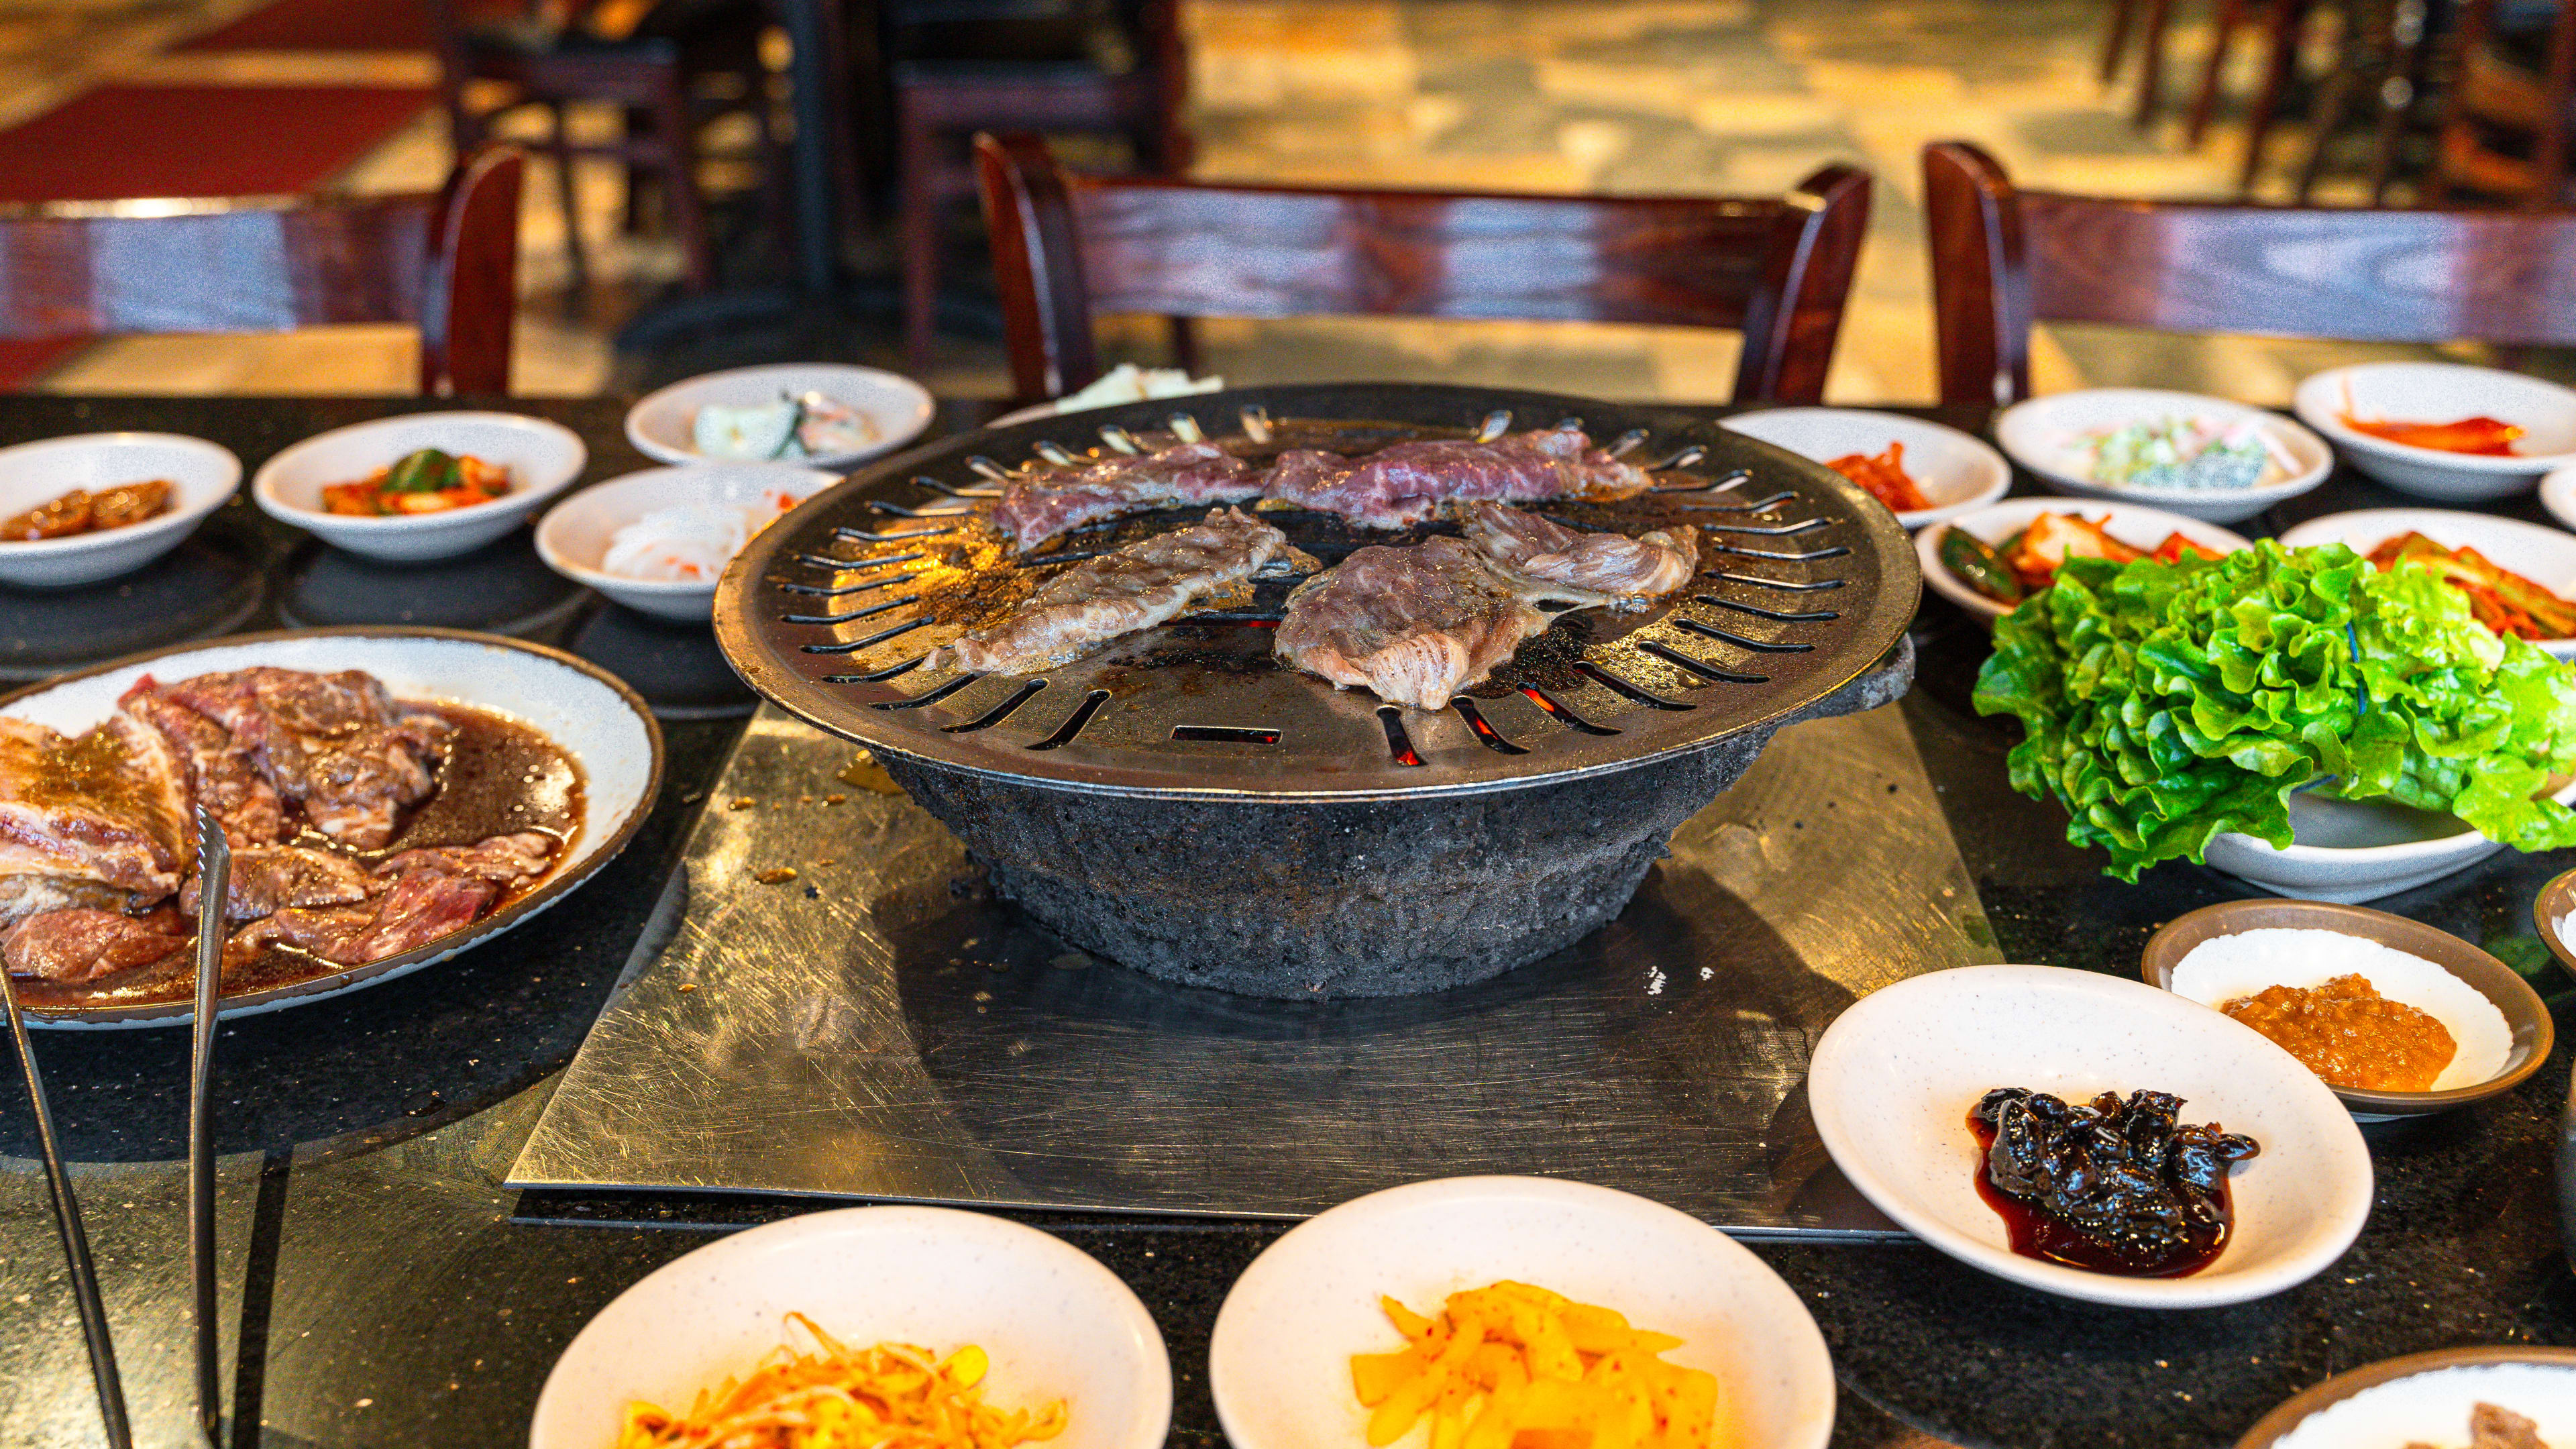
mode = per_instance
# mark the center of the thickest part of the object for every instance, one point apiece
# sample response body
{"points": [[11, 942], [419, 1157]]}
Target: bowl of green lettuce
{"points": [[2292, 716]]}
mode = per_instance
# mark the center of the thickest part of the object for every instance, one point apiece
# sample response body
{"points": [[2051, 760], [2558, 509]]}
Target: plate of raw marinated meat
{"points": [[392, 797]]}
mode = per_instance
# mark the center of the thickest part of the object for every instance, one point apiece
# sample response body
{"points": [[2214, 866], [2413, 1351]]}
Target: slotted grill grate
{"points": [[1804, 583]]}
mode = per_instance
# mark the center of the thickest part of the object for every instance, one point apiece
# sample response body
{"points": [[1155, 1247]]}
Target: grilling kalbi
{"points": [[94, 830], [2127, 1176], [1394, 487], [1137, 587], [1553, 561]]}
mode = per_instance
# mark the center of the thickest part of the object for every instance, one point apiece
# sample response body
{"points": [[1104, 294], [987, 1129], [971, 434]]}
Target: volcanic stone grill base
{"points": [[1380, 898]]}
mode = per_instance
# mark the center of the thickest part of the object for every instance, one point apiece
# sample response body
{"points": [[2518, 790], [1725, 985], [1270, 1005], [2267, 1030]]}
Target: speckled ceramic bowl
{"points": [[1056, 1323], [2425, 1398], [1893, 1079], [1279, 1364], [2524, 1015]]}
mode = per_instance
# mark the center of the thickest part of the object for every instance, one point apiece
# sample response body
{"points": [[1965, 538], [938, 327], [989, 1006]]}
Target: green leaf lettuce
{"points": [[2163, 703]]}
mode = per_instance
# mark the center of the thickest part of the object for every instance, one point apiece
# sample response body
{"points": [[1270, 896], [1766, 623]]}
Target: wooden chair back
{"points": [[2504, 132], [2003, 259], [446, 262], [1068, 247]]}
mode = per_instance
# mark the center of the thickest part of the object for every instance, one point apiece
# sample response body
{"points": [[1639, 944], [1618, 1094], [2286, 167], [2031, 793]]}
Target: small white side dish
{"points": [[1279, 1363], [1956, 472], [588, 714], [542, 458], [2348, 851], [2130, 523], [575, 534], [2426, 1398], [1056, 1324], [2442, 392], [2545, 556], [663, 426], [1893, 1079], [2046, 435], [2230, 968], [203, 476]]}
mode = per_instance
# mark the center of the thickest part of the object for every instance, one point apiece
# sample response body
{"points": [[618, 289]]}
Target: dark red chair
{"points": [[1067, 247], [2003, 259], [447, 262]]}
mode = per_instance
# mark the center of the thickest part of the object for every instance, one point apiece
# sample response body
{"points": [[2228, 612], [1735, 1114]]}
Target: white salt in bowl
{"points": [[2502, 1029]]}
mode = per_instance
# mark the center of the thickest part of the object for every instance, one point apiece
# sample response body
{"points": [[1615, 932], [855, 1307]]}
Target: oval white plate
{"points": [[575, 534], [2558, 495], [2130, 523], [1955, 471], [2442, 392], [2425, 1398], [1056, 1323], [663, 427], [2045, 433], [1893, 1079], [589, 715], [542, 458], [2545, 556], [2348, 851], [1279, 1363], [205, 477]]}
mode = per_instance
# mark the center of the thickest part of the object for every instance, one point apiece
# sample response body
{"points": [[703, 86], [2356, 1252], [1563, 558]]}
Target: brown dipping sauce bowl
{"points": [[2533, 1032]]}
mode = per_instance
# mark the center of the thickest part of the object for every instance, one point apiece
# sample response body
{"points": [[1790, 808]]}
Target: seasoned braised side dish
{"points": [[2114, 1186], [361, 827], [81, 511], [832, 1396], [2483, 436], [2027, 562], [2503, 600], [428, 481], [1512, 1366], [1884, 476], [2492, 1427]]}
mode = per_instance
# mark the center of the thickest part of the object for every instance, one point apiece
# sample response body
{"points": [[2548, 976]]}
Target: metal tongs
{"points": [[214, 892]]}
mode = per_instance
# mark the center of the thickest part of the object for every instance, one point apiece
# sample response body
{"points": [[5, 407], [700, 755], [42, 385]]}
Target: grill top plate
{"points": [[1805, 582]]}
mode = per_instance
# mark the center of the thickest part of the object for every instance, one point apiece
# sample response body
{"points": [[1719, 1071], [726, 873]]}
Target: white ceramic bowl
{"points": [[2545, 556], [2348, 851], [542, 458], [1955, 471], [1057, 1324], [2137, 526], [588, 714], [575, 534], [33, 473], [2558, 495], [1893, 1079], [1279, 1363], [663, 426], [2442, 392], [2426, 1398], [2045, 435]]}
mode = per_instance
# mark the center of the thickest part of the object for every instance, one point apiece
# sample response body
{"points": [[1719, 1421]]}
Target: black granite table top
{"points": [[380, 1287]]}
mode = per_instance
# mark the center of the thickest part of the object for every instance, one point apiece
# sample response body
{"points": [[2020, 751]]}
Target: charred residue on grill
{"points": [[1209, 648], [1546, 661]]}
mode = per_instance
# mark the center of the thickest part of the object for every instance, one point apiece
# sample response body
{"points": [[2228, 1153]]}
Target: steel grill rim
{"points": [[1098, 725]]}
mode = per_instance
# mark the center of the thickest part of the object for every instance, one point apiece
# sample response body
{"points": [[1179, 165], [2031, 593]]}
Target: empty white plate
{"points": [[1893, 1079], [1056, 1324], [663, 427], [2442, 392], [1956, 472], [2048, 435], [1279, 1364]]}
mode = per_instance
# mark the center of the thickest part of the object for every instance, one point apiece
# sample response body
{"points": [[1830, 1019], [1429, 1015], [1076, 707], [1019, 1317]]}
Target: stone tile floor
{"points": [[1708, 96]]}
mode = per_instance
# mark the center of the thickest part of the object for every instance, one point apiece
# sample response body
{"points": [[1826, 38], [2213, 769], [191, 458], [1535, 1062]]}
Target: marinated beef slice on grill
{"points": [[1405, 483], [1394, 487], [96, 842], [1137, 587], [1187, 474], [1581, 568], [1414, 624]]}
